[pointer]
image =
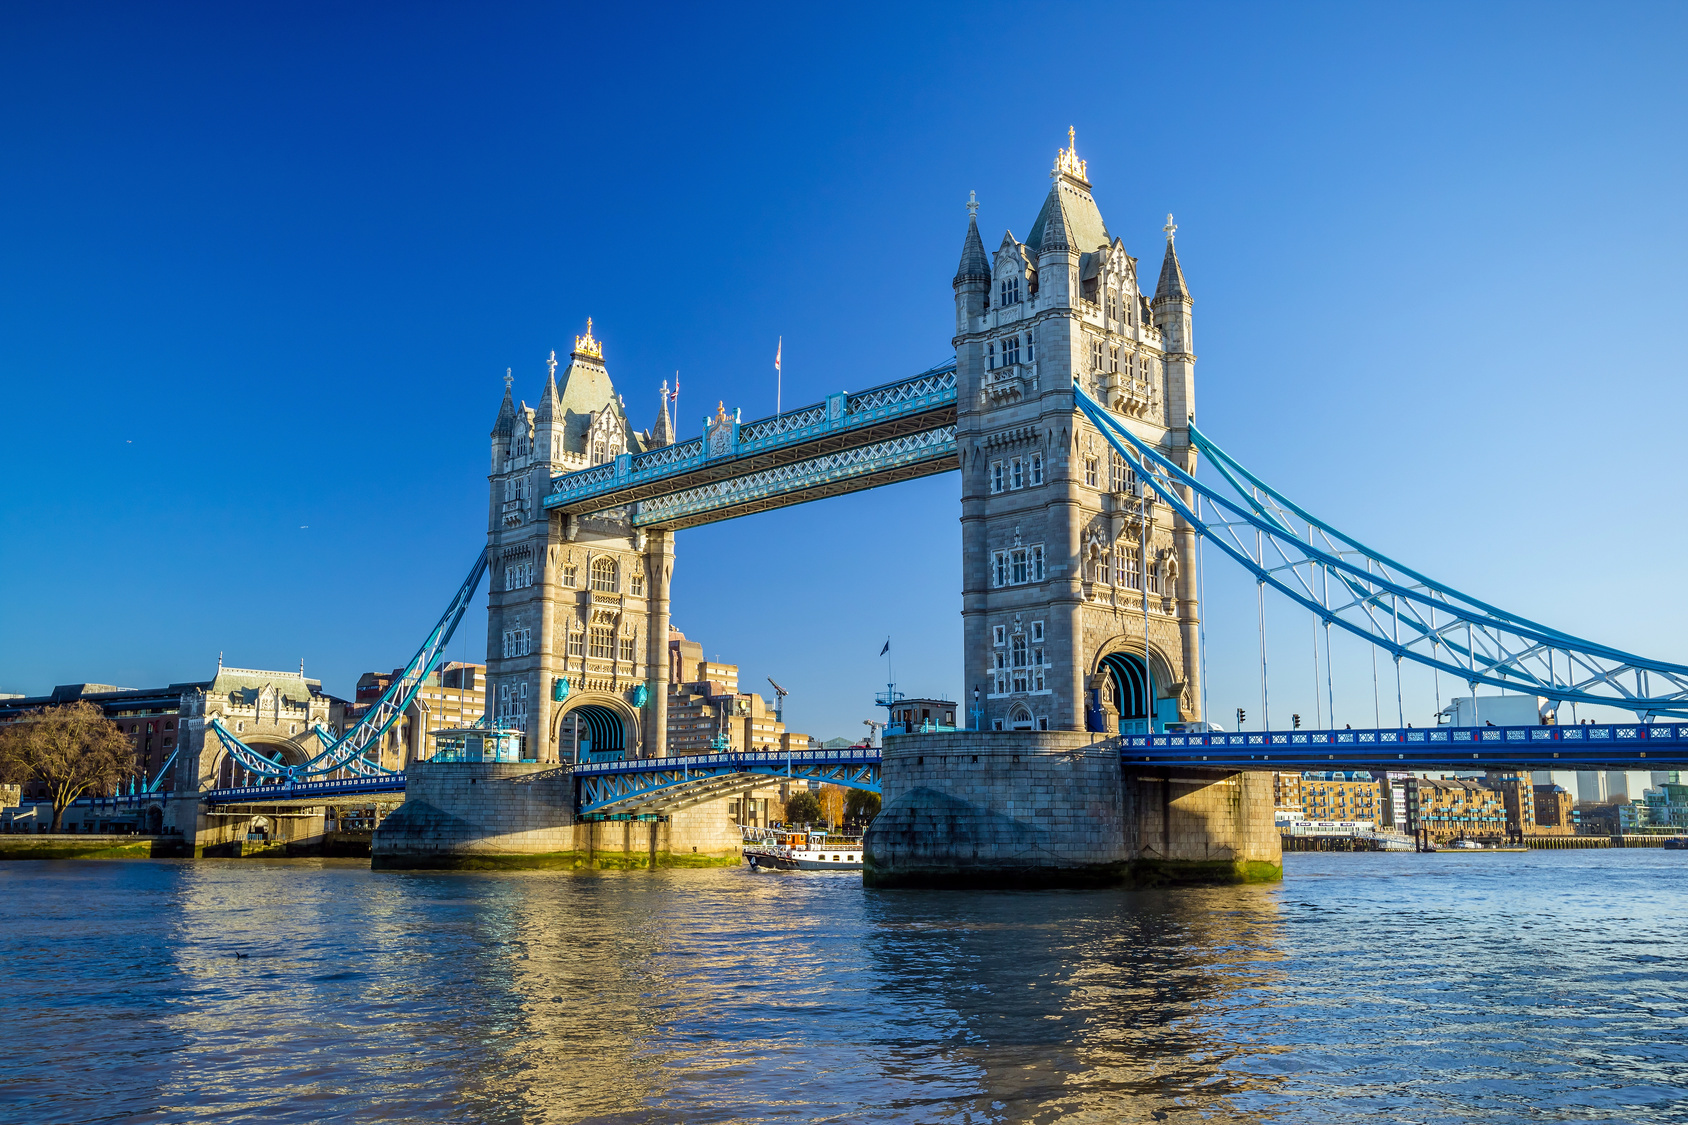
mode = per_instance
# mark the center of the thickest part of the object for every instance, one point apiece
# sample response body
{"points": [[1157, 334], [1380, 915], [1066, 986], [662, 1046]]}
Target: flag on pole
{"points": [[778, 377], [778, 348], [887, 647]]}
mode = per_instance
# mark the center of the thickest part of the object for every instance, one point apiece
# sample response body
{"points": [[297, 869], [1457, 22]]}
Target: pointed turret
{"points": [[663, 432], [1171, 284], [548, 403], [973, 277], [506, 424], [974, 265], [1052, 234]]}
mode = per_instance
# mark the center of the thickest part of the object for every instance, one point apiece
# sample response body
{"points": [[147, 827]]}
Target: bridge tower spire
{"points": [[1078, 606]]}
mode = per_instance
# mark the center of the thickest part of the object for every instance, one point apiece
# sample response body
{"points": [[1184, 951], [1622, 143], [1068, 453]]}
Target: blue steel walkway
{"points": [[850, 442]]}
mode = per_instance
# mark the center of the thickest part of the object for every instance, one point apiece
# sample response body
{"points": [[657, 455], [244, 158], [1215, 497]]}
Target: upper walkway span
{"points": [[850, 442]]}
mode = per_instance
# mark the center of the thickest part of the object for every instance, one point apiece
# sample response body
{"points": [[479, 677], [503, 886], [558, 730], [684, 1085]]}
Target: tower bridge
{"points": [[1068, 416]]}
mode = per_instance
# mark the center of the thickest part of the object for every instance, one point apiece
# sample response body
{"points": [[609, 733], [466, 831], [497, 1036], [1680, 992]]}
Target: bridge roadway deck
{"points": [[848, 443], [660, 785]]}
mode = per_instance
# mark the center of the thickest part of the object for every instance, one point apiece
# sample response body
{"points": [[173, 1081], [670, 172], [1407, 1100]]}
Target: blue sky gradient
{"points": [[264, 267]]}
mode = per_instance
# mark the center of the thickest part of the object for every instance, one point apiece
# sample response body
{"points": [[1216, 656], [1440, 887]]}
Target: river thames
{"points": [[1444, 988]]}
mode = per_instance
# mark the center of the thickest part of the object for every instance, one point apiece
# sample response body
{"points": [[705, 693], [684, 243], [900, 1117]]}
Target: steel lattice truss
{"points": [[1399, 610], [663, 785], [347, 751], [856, 468], [847, 443]]}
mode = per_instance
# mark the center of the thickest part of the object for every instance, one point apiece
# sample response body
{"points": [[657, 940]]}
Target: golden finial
{"points": [[586, 345], [1067, 161]]}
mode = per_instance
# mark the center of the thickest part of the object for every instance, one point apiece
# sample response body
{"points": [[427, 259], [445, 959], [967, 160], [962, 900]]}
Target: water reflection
{"points": [[1388, 988], [1068, 1005]]}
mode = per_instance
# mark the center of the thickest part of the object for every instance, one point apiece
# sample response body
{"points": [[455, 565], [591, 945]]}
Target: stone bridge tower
{"points": [[1079, 600], [577, 619]]}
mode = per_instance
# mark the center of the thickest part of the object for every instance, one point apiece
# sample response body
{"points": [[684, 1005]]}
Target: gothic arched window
{"points": [[604, 574]]}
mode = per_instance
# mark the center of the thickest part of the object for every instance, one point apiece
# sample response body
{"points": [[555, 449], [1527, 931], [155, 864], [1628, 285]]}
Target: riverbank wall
{"points": [[89, 845]]}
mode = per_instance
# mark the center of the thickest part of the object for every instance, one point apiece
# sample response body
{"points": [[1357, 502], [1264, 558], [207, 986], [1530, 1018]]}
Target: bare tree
{"points": [[73, 748]]}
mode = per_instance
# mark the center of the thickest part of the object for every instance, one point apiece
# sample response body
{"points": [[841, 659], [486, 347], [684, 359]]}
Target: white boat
{"points": [[800, 851]]}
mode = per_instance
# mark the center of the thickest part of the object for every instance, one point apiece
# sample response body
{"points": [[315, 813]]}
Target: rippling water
{"points": [[1446, 988]]}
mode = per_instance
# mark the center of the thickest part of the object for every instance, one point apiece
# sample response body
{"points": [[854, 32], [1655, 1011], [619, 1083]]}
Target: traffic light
{"points": [[1242, 717], [1295, 720]]}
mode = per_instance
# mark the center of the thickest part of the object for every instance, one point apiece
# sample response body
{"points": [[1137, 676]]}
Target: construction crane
{"points": [[779, 701], [874, 726]]}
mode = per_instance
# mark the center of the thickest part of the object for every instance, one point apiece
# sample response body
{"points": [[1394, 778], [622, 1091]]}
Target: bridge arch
{"points": [[606, 725], [1129, 684]]}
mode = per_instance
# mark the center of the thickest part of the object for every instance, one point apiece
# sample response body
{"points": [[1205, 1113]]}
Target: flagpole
{"points": [[779, 376], [676, 405]]}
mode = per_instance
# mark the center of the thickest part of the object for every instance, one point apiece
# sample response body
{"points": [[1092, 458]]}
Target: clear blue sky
{"points": [[264, 267]]}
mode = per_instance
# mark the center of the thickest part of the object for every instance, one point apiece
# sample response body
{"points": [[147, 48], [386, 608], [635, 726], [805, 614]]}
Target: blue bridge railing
{"points": [[661, 784], [1614, 746]]}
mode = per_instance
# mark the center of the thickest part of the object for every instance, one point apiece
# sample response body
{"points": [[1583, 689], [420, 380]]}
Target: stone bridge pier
{"points": [[1057, 808]]}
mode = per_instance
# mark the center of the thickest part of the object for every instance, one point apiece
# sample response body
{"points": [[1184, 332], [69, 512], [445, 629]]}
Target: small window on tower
{"points": [[1090, 471], [990, 356], [1018, 474], [1037, 468], [636, 582], [997, 633], [998, 477]]}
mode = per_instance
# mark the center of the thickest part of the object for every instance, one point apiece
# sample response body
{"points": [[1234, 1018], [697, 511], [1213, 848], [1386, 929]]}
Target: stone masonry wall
{"points": [[1200, 817], [467, 814], [1053, 807]]}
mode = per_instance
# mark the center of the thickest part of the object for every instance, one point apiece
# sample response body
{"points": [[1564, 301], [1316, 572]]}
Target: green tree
{"points": [[860, 806], [73, 748], [803, 807]]}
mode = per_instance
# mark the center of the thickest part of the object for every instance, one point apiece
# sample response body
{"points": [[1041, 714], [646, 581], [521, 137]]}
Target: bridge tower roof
{"points": [[1070, 217]]}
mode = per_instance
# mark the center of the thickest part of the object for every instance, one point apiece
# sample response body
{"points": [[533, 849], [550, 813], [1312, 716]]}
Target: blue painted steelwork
{"points": [[651, 785], [293, 791], [1632, 746], [1389, 605], [893, 432], [347, 751]]}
